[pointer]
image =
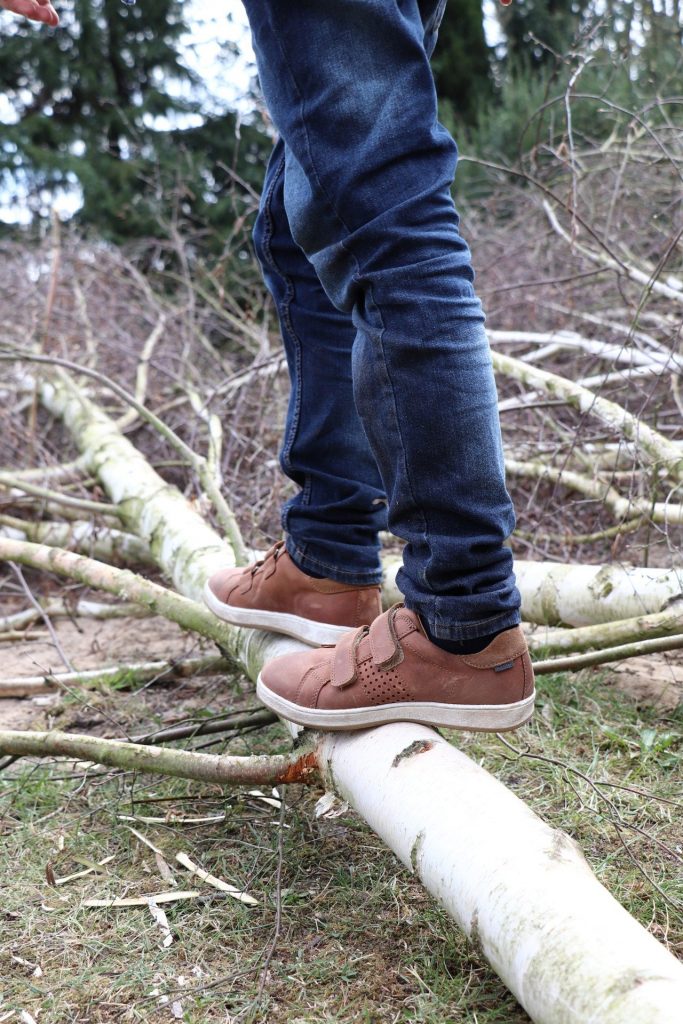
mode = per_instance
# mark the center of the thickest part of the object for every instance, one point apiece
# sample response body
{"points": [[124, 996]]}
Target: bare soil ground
{"points": [[91, 644]]}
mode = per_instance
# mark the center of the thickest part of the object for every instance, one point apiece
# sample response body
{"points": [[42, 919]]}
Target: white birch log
{"points": [[566, 949], [181, 541], [519, 889], [584, 595], [578, 595]]}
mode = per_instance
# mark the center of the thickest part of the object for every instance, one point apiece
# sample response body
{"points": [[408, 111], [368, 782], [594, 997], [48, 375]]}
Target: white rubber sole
{"points": [[474, 717], [311, 632]]}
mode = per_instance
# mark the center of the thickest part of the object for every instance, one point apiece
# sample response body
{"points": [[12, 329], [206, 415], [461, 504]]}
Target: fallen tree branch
{"points": [[604, 260], [104, 543], [121, 582], [208, 727], [260, 770], [599, 490], [10, 635], [567, 339], [574, 539], [198, 464], [181, 541], [64, 472], [56, 642], [130, 417], [606, 655], [59, 608], [659, 450], [138, 672], [668, 623], [15, 486]]}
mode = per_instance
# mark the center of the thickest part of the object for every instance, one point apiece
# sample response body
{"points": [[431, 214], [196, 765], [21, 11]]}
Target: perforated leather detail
{"points": [[380, 685]]}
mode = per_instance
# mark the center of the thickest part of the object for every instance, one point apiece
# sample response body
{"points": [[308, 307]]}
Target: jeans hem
{"points": [[304, 561], [465, 630]]}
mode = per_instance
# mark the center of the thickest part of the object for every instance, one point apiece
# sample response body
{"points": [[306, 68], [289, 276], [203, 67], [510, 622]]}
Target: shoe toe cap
{"points": [[222, 583], [297, 677]]}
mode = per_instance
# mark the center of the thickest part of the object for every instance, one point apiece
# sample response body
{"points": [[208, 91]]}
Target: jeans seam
{"points": [[423, 518], [284, 311]]}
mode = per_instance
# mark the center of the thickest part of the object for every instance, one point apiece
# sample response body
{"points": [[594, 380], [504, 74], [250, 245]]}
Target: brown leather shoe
{"points": [[391, 672], [275, 594]]}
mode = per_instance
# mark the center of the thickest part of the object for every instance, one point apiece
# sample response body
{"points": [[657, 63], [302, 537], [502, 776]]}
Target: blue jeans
{"points": [[393, 411]]}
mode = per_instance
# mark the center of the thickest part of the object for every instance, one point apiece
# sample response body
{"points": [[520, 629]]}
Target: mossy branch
{"points": [[268, 770], [122, 582]]}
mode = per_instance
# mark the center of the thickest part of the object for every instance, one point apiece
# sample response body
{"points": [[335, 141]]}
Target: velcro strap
{"points": [[386, 650], [344, 664]]}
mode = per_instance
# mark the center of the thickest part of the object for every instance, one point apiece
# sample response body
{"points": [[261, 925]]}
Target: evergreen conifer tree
{"points": [[462, 62], [105, 104]]}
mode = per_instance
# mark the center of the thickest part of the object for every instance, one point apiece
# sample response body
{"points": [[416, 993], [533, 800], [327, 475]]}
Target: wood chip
{"points": [[271, 801], [164, 870], [144, 839], [26, 963], [162, 921], [170, 820], [86, 871], [143, 901], [161, 862], [217, 883], [330, 806]]}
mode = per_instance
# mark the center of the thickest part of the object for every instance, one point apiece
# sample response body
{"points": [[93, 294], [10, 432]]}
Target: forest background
{"points": [[107, 109]]}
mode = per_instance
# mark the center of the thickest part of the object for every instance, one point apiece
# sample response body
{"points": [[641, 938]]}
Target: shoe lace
{"points": [[270, 558]]}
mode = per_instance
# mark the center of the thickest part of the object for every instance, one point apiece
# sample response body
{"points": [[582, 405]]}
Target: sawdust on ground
{"points": [[655, 680], [88, 644]]}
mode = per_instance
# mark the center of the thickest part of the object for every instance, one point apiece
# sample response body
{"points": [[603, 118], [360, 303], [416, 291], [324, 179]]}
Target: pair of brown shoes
{"points": [[383, 667]]}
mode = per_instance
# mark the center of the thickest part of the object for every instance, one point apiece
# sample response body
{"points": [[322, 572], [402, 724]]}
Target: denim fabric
{"points": [[360, 244], [332, 522]]}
